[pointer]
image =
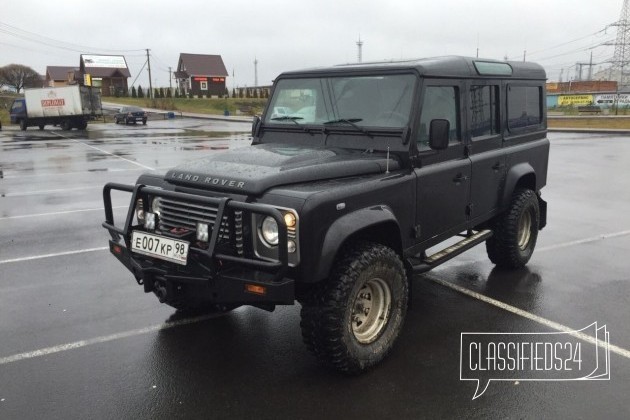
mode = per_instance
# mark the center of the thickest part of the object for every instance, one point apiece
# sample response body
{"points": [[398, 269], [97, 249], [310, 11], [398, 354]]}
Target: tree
{"points": [[140, 92], [133, 92], [233, 93], [19, 77]]}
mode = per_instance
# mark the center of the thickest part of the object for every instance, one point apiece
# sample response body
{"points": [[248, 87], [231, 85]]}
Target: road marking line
{"points": [[25, 193], [538, 319], [57, 213], [96, 171], [58, 254], [103, 151], [584, 241], [111, 154], [103, 339]]}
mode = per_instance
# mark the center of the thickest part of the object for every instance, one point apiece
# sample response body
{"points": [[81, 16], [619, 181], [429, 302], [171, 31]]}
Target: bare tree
{"points": [[18, 77]]}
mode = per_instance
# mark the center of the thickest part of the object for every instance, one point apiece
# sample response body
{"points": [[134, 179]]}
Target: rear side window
{"points": [[484, 110], [524, 105]]}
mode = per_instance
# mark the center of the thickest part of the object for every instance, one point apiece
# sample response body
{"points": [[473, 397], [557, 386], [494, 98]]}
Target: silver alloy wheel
{"points": [[524, 230], [371, 310]]}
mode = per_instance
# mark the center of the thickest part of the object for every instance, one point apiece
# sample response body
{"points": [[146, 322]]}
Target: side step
{"points": [[422, 265]]}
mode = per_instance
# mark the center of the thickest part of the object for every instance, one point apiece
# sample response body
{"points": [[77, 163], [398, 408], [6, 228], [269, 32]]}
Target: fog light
{"points": [[291, 247], [149, 221], [202, 232]]}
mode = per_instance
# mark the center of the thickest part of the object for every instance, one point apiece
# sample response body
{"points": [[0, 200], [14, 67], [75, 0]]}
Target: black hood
{"points": [[255, 169]]}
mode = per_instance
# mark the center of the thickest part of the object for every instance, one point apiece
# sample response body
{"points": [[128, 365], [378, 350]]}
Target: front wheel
{"points": [[23, 125], [351, 320], [515, 231]]}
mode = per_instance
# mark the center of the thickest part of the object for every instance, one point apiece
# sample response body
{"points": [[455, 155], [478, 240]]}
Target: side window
{"points": [[16, 106], [484, 110], [524, 106], [440, 102]]}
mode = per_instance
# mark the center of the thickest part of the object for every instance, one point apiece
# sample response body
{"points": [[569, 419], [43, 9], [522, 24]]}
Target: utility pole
{"points": [[150, 83], [255, 72], [524, 55], [590, 67], [360, 50], [170, 79]]}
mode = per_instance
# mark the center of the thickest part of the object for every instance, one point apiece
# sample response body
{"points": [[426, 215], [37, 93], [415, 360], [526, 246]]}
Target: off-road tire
{"points": [[329, 327], [515, 231]]}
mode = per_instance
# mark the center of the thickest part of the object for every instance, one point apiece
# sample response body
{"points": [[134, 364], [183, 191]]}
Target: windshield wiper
{"points": [[350, 121], [286, 117]]}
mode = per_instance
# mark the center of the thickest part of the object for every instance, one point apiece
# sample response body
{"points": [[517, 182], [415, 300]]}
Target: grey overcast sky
{"points": [[287, 35]]}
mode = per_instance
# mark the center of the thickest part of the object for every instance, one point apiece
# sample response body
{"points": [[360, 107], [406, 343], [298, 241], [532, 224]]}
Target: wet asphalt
{"points": [[79, 338]]}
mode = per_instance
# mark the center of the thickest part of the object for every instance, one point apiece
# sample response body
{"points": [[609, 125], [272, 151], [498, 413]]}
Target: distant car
{"points": [[130, 114]]}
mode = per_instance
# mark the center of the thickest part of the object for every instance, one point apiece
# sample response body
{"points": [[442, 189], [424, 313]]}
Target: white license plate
{"points": [[160, 247]]}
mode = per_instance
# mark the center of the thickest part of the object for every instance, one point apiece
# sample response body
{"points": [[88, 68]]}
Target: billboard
{"points": [[107, 61], [568, 100]]}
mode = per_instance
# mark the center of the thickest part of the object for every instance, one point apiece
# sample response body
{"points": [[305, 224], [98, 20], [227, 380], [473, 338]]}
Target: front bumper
{"points": [[208, 276]]}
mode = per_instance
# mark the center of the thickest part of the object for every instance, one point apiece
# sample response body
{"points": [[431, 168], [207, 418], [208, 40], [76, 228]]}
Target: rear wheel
{"points": [[66, 125], [41, 126], [82, 125], [351, 321], [515, 231]]}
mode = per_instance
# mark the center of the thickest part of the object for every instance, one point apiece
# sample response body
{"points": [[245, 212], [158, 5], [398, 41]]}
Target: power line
{"points": [[51, 42]]}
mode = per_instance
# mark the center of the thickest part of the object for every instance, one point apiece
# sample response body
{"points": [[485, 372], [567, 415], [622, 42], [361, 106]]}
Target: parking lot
{"points": [[79, 338]]}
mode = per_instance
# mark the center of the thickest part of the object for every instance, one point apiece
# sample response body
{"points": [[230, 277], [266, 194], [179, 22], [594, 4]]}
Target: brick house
{"points": [[201, 74], [59, 75]]}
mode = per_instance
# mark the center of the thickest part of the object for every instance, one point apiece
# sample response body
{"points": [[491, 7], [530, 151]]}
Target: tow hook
{"points": [[160, 291]]}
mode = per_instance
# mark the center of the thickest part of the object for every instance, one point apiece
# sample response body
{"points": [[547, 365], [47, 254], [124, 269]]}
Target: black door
{"points": [[443, 177], [486, 152]]}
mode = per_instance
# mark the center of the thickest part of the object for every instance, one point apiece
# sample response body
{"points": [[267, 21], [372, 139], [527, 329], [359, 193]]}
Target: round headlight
{"points": [[269, 231]]}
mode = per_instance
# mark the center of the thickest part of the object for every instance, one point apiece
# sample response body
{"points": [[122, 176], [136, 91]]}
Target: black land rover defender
{"points": [[354, 172]]}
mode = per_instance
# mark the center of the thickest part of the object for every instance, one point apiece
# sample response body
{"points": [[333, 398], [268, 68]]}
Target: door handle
{"points": [[497, 166], [459, 178]]}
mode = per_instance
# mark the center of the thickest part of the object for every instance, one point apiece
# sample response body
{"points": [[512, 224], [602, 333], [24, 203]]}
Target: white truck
{"points": [[66, 106]]}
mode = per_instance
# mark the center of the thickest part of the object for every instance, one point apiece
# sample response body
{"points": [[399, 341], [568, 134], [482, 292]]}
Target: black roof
{"points": [[448, 66]]}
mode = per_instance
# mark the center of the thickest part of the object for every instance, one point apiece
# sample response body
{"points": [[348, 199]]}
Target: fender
{"points": [[514, 174], [347, 225]]}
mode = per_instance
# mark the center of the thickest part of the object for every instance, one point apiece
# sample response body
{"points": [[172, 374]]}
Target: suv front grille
{"points": [[183, 215]]}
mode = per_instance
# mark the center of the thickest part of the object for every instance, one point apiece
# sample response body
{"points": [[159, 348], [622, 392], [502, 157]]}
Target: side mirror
{"points": [[438, 134], [256, 124]]}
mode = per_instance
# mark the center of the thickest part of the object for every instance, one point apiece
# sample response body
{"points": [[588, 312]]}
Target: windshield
{"points": [[374, 101]]}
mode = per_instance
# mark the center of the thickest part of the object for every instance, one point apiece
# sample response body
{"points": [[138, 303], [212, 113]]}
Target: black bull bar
{"points": [[270, 274]]}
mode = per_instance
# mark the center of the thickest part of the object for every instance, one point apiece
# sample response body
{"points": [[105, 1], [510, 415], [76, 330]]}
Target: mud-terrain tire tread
{"points": [[502, 246], [323, 311]]}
